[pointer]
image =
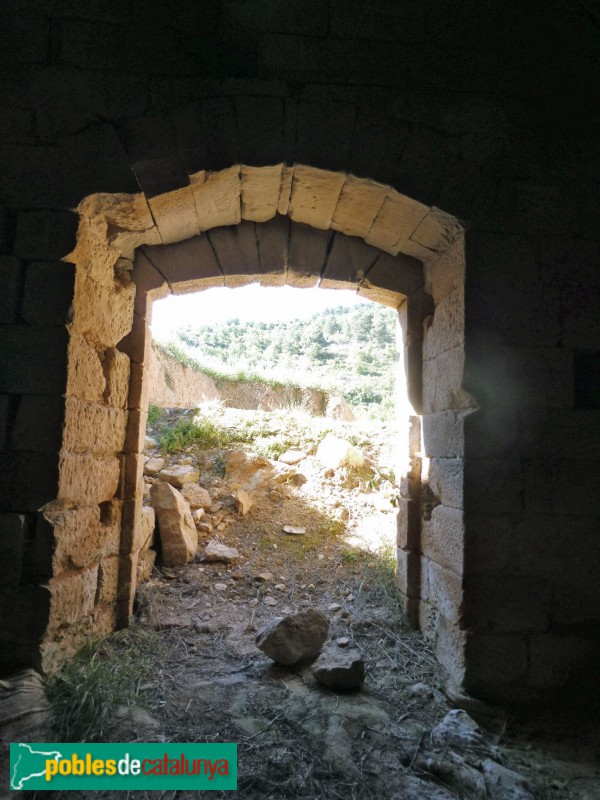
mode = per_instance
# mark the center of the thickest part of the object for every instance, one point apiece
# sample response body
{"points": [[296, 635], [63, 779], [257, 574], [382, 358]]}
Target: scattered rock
{"points": [[243, 501], [292, 457], [298, 479], [246, 473], [334, 607], [198, 514], [270, 601], [179, 475], [294, 637], [178, 535], [220, 587], [340, 669], [421, 690], [293, 531], [334, 452], [343, 641], [253, 603], [264, 577], [204, 527], [197, 496], [150, 443], [281, 587], [153, 466], [215, 551]]}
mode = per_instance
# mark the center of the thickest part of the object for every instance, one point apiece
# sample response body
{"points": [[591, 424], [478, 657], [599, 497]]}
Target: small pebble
{"points": [[270, 601], [253, 602], [334, 607], [343, 641], [281, 587], [220, 587]]}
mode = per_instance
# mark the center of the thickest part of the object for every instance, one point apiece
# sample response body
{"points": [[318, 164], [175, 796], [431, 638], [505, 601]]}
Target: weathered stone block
{"points": [[217, 197], [12, 544], [349, 259], [79, 534], [445, 592], [449, 644], [446, 273], [236, 252], [446, 481], [314, 197], [443, 540], [115, 366], [408, 524], [358, 206], [260, 192], [443, 435], [272, 238], [10, 275], [108, 577], [85, 375], [72, 596], [448, 327], [45, 235], [408, 572], [100, 313], [48, 292], [87, 479], [34, 360], [38, 424], [443, 382], [307, 255], [92, 428]]}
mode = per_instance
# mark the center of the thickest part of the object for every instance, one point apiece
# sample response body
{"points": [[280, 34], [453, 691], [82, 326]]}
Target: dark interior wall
{"points": [[484, 110]]}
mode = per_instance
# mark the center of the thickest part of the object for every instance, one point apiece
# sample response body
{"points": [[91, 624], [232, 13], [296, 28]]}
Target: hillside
{"points": [[352, 350]]}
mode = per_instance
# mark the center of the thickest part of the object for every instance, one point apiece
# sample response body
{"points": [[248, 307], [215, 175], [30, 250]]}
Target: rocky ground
{"points": [[189, 669]]}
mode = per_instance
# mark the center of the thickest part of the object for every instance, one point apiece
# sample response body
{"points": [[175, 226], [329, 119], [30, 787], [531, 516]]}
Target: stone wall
{"points": [[477, 110]]}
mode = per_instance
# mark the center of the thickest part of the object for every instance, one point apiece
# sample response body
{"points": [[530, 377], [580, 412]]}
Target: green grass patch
{"points": [[187, 432], [86, 693], [155, 414]]}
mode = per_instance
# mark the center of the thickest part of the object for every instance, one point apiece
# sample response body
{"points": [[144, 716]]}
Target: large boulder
{"points": [[178, 535], [179, 475], [294, 637]]}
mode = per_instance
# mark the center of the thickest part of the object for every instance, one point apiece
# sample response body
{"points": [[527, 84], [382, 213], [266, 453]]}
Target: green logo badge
{"points": [[122, 766]]}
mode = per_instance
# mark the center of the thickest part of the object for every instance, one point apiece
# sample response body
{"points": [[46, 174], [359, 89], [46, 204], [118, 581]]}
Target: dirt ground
{"points": [[199, 677]]}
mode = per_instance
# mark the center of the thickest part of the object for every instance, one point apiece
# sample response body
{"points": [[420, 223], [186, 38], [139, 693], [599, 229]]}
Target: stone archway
{"points": [[276, 225]]}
